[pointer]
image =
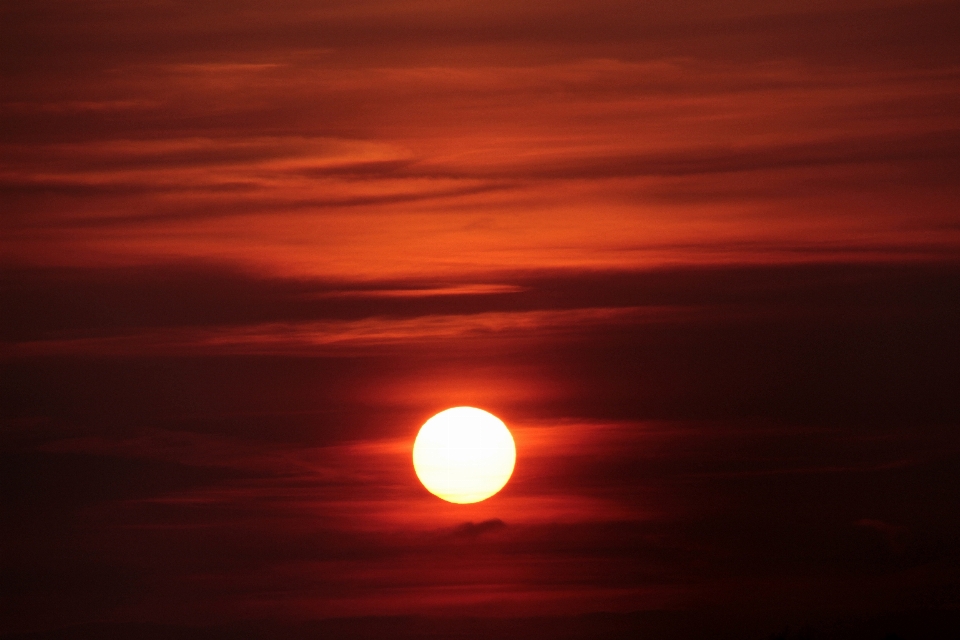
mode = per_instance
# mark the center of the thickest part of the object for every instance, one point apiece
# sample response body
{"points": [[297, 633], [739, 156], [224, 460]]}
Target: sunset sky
{"points": [[700, 257]]}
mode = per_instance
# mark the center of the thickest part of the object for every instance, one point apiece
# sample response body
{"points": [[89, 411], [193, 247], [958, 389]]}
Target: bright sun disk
{"points": [[464, 455]]}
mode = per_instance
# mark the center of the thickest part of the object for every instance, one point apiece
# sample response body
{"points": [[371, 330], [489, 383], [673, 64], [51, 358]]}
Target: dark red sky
{"points": [[701, 257]]}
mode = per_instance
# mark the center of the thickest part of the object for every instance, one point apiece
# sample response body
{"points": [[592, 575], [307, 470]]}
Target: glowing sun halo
{"points": [[464, 455]]}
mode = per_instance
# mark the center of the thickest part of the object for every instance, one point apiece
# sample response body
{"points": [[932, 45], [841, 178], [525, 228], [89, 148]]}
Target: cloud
{"points": [[277, 135], [470, 530], [203, 299], [318, 337]]}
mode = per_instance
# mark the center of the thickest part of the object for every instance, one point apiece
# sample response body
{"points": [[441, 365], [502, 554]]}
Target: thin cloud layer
{"points": [[701, 257], [413, 139]]}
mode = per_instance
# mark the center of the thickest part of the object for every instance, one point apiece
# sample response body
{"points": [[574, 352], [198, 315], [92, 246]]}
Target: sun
{"points": [[464, 455]]}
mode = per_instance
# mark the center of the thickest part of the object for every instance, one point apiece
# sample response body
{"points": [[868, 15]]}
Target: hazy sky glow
{"points": [[701, 257]]}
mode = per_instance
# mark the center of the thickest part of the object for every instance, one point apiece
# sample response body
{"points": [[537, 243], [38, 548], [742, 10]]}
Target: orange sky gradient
{"points": [[499, 138], [700, 257]]}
